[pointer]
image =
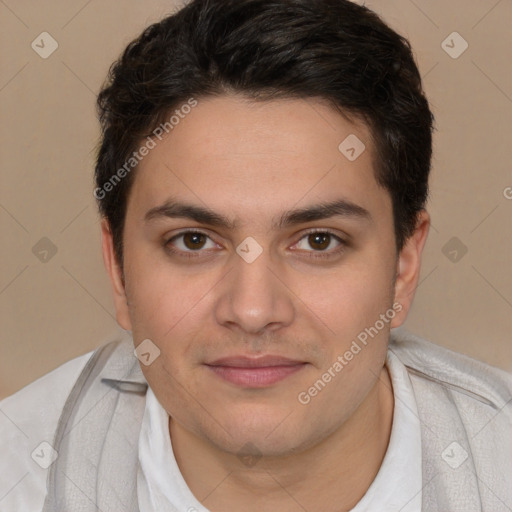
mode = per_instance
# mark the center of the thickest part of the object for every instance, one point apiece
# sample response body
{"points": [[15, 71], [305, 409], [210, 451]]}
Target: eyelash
{"points": [[313, 255]]}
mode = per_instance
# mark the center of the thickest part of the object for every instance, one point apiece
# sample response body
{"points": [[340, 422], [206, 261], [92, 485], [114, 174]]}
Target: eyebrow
{"points": [[203, 215]]}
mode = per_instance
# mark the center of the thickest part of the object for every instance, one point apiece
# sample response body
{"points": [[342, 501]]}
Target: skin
{"points": [[251, 162]]}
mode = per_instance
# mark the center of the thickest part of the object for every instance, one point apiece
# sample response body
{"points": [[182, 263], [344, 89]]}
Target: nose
{"points": [[254, 297]]}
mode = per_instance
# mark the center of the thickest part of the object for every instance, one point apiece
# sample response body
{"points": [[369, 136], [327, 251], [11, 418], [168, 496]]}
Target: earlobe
{"points": [[116, 276], [409, 267]]}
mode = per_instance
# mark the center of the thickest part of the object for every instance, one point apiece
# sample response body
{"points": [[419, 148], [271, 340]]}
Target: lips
{"points": [[255, 372]]}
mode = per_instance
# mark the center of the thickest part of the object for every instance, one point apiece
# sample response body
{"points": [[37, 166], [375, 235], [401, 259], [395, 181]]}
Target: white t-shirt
{"points": [[397, 486]]}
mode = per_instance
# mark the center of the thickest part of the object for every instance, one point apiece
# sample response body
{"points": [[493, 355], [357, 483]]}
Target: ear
{"points": [[408, 268], [116, 280]]}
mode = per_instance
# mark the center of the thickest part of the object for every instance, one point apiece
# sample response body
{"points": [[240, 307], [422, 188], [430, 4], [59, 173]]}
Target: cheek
{"points": [[160, 294], [171, 308], [350, 298]]}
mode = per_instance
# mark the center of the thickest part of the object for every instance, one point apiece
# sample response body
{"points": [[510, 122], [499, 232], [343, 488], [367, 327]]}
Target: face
{"points": [[251, 291]]}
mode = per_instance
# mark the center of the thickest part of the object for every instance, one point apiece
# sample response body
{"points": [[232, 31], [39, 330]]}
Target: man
{"points": [[262, 180]]}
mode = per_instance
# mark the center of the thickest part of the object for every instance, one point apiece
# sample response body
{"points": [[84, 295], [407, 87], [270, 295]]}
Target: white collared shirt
{"points": [[396, 488]]}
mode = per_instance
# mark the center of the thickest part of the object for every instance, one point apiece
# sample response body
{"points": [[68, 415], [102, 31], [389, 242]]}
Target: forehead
{"points": [[255, 159]]}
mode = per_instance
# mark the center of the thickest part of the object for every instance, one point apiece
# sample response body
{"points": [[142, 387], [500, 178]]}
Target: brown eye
{"points": [[319, 241], [194, 240], [321, 244], [190, 242]]}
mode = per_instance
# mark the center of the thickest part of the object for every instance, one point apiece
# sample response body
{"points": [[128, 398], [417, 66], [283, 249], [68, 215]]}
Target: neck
{"points": [[331, 476]]}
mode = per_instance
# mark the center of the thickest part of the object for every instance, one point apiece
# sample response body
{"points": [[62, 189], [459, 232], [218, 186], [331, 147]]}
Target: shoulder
{"points": [[459, 373], [465, 409], [28, 420], [42, 397]]}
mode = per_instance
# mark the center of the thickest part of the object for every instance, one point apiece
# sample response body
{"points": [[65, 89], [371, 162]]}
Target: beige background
{"points": [[55, 310]]}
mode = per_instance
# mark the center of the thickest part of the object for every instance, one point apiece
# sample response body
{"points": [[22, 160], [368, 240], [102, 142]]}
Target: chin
{"points": [[255, 433]]}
